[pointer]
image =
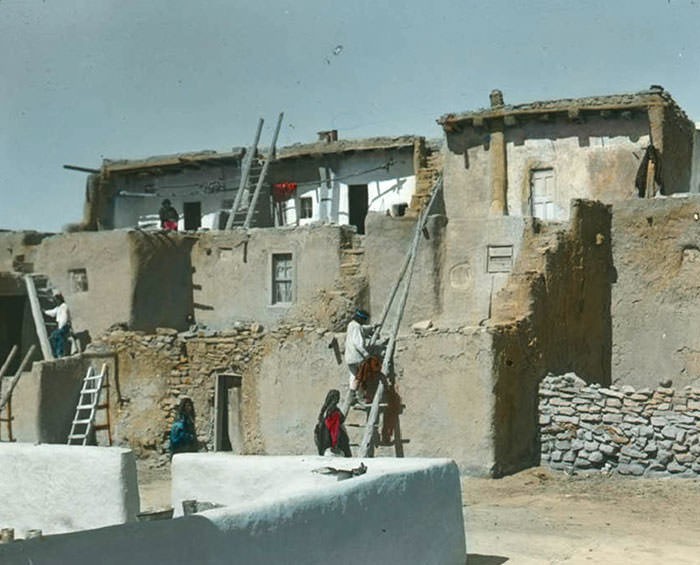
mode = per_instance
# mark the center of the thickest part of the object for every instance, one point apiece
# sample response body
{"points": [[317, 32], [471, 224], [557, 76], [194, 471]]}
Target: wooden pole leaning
{"points": [[263, 174], [367, 447], [248, 162], [8, 393], [38, 316]]}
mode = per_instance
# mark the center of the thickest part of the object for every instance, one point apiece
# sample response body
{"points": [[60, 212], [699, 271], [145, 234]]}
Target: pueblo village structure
{"points": [[534, 274]]}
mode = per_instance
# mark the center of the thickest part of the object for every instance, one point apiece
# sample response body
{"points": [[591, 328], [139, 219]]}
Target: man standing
{"points": [[355, 351], [168, 216], [59, 337]]}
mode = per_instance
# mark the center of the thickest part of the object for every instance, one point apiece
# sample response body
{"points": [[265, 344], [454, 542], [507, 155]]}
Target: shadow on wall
{"points": [[477, 559]]}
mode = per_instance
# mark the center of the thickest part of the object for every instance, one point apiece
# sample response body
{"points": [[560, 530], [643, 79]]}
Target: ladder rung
{"points": [[84, 407], [102, 406], [82, 422], [90, 390], [77, 436], [102, 427]]}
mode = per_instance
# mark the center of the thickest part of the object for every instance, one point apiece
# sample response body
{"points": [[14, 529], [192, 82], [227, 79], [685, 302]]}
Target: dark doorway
{"points": [[11, 319], [228, 434], [358, 204], [193, 215]]}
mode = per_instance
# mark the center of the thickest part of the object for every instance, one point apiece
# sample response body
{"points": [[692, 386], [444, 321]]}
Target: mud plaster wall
{"points": [[18, 249], [573, 287], [44, 400], [232, 277], [386, 244], [596, 159], [656, 297], [678, 133]]}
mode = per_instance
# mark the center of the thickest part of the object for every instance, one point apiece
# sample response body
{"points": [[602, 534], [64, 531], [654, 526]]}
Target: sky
{"points": [[83, 80]]}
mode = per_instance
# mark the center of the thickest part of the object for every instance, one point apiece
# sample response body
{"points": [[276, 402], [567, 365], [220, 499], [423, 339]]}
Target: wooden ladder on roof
{"points": [[253, 176], [370, 439], [88, 404]]}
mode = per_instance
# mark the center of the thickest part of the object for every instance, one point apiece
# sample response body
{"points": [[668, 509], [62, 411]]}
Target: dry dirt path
{"points": [[538, 516]]}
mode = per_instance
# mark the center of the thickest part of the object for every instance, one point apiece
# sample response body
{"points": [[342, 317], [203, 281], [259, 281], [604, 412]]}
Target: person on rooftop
{"points": [[59, 337], [168, 216]]}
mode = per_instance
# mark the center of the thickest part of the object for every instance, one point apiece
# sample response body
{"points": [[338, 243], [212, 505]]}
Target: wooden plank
{"points": [[8, 393], [8, 360], [38, 316]]}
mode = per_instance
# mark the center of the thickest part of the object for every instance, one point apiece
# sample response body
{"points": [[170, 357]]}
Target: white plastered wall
{"points": [[60, 488], [401, 511]]}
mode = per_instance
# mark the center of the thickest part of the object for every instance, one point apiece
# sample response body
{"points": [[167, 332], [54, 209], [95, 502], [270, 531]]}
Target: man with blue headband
{"points": [[355, 350]]}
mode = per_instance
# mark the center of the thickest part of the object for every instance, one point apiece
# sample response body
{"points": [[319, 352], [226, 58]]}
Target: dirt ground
{"points": [[540, 516]]}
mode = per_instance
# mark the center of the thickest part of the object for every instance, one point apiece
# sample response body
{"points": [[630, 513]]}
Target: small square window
{"points": [[307, 207], [499, 259], [282, 292], [78, 280]]}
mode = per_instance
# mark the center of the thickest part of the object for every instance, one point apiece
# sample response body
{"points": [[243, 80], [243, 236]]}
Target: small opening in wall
{"points": [[650, 220], [78, 280], [509, 362]]}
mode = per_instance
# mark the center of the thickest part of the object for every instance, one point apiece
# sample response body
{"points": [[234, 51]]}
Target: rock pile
{"points": [[631, 432]]}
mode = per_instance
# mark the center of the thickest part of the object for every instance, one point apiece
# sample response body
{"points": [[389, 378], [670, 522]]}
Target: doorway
{"points": [[193, 215], [228, 434], [12, 311], [358, 204]]}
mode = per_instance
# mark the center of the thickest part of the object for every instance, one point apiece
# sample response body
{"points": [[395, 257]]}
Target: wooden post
{"points": [[8, 393], [367, 447], [263, 174], [335, 198], [323, 195], [250, 156], [8, 360], [38, 316]]}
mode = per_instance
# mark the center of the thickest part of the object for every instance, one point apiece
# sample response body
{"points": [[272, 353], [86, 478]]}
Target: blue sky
{"points": [[85, 79]]}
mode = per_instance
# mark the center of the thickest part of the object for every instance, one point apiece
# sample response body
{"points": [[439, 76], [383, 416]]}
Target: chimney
{"points": [[496, 97], [328, 135]]}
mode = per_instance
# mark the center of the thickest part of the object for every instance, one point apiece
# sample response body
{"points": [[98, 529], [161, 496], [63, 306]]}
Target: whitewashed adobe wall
{"points": [[401, 511], [60, 488]]}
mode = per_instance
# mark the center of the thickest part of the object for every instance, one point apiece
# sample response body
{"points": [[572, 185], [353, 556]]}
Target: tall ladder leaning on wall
{"points": [[253, 177], [371, 435], [6, 388], [88, 404]]}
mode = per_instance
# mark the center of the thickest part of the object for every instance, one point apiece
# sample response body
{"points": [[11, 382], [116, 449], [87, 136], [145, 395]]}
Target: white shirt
{"points": [[61, 313], [355, 351]]}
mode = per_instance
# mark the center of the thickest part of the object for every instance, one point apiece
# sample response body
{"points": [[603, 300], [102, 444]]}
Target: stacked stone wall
{"points": [[619, 429]]}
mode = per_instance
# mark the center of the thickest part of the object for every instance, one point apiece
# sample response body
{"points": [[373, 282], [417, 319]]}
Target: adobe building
{"points": [[535, 261]]}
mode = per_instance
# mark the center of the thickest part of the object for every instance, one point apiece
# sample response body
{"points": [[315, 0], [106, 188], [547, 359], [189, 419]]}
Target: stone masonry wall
{"points": [[619, 429]]}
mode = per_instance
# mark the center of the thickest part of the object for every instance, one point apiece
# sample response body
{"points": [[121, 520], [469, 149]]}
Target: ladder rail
{"points": [[13, 383], [252, 152], [38, 316], [367, 445], [263, 173]]}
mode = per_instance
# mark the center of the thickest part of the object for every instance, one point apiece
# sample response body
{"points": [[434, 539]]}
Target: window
{"points": [[306, 205], [542, 194], [499, 259], [78, 280], [282, 278]]}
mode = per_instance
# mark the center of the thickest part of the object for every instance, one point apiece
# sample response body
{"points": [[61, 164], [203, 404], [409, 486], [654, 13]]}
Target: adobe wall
{"points": [[18, 249], [593, 159], [110, 275], [44, 400], [656, 332], [60, 488], [232, 272], [386, 244], [551, 317], [398, 512]]}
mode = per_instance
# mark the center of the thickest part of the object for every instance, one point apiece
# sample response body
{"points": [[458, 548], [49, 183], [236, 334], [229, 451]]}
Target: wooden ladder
{"points": [[40, 298], [6, 389], [253, 177], [88, 404], [403, 279]]}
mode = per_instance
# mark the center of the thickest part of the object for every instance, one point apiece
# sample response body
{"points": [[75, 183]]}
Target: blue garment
{"points": [[58, 339], [183, 437]]}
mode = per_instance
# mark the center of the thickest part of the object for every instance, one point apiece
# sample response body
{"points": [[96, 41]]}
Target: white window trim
{"points": [[271, 282]]}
